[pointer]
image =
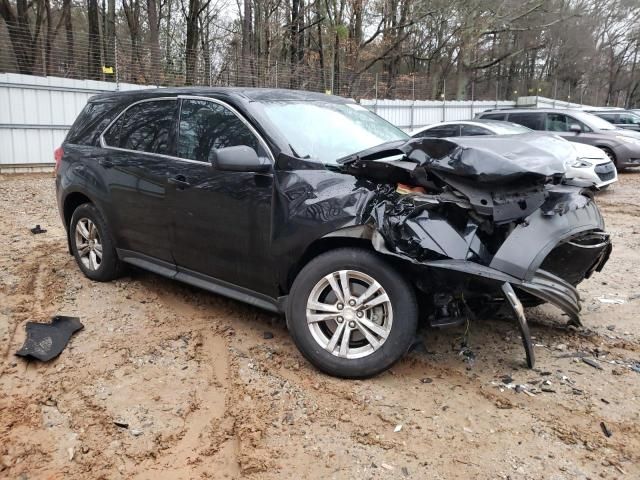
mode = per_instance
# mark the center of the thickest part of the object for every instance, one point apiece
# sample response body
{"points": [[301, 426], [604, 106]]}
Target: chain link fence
{"points": [[83, 56]]}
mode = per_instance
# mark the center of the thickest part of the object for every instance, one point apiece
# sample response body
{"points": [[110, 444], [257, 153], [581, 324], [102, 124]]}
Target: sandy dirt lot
{"points": [[206, 393]]}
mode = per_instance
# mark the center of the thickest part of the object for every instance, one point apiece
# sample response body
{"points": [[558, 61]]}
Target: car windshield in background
{"points": [[327, 131], [504, 128], [592, 121]]}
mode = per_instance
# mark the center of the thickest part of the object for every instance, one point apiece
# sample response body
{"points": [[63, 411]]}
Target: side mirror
{"points": [[575, 128], [238, 159]]}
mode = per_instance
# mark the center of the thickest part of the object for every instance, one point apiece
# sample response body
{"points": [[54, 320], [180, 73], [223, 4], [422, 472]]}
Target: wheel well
{"points": [[321, 246], [73, 201], [607, 149]]}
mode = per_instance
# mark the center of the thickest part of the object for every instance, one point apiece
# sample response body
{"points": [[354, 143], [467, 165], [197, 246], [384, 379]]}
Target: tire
{"points": [[366, 352], [611, 155], [103, 269]]}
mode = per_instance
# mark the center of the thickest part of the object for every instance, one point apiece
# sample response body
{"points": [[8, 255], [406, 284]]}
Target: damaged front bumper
{"points": [[480, 219]]}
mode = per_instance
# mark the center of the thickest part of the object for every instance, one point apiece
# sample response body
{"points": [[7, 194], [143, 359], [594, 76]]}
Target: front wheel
{"points": [[351, 314], [610, 155]]}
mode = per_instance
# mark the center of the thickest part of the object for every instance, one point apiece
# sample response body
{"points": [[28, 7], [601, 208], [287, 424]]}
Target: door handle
{"points": [[105, 163], [179, 181]]}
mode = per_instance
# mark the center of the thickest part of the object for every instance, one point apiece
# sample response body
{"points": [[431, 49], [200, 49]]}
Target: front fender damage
{"points": [[528, 233]]}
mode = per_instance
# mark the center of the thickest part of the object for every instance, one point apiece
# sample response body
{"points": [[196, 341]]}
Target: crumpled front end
{"points": [[545, 254], [472, 233]]}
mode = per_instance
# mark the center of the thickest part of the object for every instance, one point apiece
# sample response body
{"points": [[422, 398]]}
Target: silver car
{"points": [[621, 146]]}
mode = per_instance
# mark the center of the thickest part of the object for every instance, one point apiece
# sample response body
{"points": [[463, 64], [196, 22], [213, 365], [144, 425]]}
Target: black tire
{"points": [[404, 308], [611, 155], [110, 267]]}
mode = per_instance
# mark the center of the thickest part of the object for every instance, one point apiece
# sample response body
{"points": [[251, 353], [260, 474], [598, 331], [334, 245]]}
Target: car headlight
{"points": [[579, 163], [622, 138]]}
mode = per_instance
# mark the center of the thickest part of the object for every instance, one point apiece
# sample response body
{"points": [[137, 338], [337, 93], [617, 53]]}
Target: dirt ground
{"points": [[206, 393]]}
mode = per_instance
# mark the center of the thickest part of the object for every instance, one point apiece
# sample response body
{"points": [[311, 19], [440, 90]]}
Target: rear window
{"points": [[534, 121], [93, 119]]}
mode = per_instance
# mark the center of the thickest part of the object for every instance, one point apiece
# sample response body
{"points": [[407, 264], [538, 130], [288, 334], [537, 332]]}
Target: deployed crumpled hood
{"points": [[487, 159]]}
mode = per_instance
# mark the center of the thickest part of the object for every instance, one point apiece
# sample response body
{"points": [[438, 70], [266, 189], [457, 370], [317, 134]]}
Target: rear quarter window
{"points": [[93, 119], [534, 121]]}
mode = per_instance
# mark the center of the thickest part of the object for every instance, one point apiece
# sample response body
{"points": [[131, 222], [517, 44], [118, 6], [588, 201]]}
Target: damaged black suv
{"points": [[312, 206]]}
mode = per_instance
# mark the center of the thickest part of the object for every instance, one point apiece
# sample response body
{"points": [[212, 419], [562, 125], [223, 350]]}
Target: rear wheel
{"points": [[92, 244], [351, 314]]}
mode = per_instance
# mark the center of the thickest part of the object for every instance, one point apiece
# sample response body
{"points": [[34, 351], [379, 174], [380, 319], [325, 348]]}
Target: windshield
{"points": [[592, 121], [327, 131]]}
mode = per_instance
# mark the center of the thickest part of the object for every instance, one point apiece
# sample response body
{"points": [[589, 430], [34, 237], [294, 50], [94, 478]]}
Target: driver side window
{"points": [[206, 126]]}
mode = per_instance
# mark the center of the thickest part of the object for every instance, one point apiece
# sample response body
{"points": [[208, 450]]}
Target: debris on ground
{"points": [[605, 430], [46, 341], [592, 363], [610, 300], [267, 335], [37, 229]]}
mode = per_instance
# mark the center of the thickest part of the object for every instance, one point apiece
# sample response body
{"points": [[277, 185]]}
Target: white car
{"points": [[591, 163]]}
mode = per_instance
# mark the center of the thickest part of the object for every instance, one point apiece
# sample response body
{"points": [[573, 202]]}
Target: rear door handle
{"points": [[105, 163], [179, 181]]}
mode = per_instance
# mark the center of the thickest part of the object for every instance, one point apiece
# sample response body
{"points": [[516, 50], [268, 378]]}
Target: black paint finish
{"points": [[483, 215]]}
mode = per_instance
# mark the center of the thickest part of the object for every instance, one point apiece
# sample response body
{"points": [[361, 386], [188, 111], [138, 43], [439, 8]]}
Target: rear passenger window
{"points": [[144, 127], [205, 126], [494, 116], [532, 120], [473, 130]]}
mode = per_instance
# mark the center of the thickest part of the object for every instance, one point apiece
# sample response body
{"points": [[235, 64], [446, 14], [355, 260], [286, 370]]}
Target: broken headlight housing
{"points": [[579, 163]]}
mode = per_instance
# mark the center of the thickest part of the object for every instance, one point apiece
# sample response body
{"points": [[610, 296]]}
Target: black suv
{"points": [[312, 206]]}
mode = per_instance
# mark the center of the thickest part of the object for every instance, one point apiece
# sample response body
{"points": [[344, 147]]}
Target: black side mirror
{"points": [[575, 128], [238, 159]]}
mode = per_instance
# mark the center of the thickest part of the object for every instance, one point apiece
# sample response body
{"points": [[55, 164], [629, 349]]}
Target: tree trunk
{"points": [[93, 61], [154, 40], [192, 42], [110, 35], [68, 28], [48, 38], [132, 13], [19, 27]]}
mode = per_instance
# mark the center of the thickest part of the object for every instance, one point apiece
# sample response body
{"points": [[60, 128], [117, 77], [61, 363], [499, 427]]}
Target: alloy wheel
{"points": [[88, 244], [349, 314]]}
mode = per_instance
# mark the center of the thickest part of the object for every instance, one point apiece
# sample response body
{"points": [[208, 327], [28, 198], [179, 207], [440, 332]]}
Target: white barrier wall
{"points": [[36, 113], [409, 115]]}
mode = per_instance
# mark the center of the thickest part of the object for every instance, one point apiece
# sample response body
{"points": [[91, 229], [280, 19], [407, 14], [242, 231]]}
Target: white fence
{"points": [[408, 114], [36, 112], [35, 115]]}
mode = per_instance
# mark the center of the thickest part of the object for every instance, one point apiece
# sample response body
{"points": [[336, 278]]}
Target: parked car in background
{"points": [[621, 146], [620, 118], [312, 206], [589, 163]]}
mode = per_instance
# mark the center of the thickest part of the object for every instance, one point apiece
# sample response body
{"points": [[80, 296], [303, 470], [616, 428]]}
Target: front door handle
{"points": [[179, 181], [105, 163]]}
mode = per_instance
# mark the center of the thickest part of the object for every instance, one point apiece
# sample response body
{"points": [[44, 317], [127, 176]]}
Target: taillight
{"points": [[57, 154]]}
